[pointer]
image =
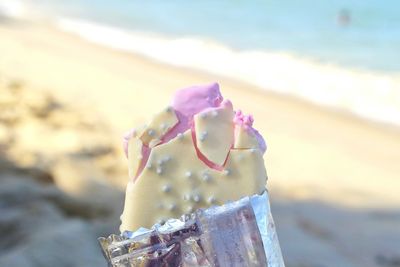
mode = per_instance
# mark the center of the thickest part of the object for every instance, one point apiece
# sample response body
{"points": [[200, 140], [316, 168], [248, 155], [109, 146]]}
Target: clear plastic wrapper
{"points": [[240, 233]]}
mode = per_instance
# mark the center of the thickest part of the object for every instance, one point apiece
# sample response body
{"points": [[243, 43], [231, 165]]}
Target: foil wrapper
{"points": [[240, 233]]}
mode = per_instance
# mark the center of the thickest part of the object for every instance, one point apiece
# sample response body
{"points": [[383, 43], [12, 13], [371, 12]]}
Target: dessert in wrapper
{"points": [[202, 162], [239, 233]]}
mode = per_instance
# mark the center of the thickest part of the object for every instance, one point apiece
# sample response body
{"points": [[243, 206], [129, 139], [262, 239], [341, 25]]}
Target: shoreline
{"points": [[313, 152], [50, 26], [358, 91]]}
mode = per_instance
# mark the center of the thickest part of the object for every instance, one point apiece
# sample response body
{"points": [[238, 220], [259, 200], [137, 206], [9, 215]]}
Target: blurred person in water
{"points": [[344, 18]]}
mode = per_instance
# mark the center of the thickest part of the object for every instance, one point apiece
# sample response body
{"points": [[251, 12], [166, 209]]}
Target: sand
{"points": [[333, 176]]}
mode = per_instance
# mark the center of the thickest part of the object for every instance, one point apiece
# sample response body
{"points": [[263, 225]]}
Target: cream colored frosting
{"points": [[194, 154], [158, 127], [245, 138], [135, 156], [214, 132], [175, 181]]}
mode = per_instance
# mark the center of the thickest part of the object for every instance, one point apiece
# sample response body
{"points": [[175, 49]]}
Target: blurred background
{"points": [[322, 79]]}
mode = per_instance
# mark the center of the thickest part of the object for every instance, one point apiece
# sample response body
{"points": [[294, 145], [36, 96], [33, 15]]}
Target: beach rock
{"points": [[66, 244], [40, 225]]}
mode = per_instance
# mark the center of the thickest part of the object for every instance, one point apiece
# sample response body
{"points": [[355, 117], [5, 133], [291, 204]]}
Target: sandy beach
{"points": [[333, 177]]}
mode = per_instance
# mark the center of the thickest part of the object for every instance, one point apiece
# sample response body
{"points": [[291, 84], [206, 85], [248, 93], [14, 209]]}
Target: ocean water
{"points": [[311, 28], [344, 53]]}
